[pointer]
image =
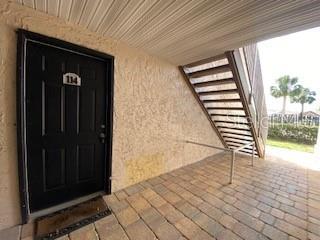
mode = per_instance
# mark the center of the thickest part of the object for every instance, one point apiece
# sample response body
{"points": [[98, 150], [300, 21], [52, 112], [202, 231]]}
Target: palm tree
{"points": [[285, 88], [303, 96]]}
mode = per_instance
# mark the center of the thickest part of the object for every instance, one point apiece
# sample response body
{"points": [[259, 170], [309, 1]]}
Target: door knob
{"points": [[102, 137]]}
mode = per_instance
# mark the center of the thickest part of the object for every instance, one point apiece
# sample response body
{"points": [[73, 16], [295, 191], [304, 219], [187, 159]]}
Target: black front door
{"points": [[66, 124]]}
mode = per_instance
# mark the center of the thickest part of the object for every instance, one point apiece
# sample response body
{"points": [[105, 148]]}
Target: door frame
{"points": [[23, 37]]}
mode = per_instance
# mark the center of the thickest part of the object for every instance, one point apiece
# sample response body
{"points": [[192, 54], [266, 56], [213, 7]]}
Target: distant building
{"points": [[311, 114], [309, 117]]}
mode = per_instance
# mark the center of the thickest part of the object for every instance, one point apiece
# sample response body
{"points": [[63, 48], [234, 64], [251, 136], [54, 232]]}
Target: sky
{"points": [[297, 55]]}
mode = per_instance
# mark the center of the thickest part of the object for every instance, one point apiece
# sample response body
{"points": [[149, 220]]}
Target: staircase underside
{"points": [[218, 92]]}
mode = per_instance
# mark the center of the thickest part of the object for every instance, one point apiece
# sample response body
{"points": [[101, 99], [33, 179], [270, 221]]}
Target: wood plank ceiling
{"points": [[184, 31]]}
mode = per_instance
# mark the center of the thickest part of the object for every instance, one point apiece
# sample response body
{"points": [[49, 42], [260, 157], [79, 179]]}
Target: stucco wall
{"points": [[154, 111]]}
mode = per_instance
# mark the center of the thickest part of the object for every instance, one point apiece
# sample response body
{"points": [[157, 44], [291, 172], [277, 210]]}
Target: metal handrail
{"points": [[211, 146], [234, 156], [233, 153]]}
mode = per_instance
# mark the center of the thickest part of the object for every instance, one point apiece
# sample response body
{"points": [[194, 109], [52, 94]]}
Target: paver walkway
{"points": [[272, 200]]}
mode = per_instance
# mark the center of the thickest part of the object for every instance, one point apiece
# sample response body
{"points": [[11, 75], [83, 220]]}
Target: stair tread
{"points": [[225, 108], [222, 100], [210, 71], [207, 60], [248, 152], [214, 83], [218, 92], [235, 133], [228, 115], [231, 122], [233, 128], [239, 145], [236, 138]]}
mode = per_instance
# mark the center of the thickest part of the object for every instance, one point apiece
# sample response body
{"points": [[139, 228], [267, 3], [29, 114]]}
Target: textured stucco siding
{"points": [[154, 111]]}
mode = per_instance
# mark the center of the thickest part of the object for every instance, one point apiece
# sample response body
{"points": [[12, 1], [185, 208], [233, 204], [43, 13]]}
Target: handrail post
{"points": [[232, 165], [253, 149]]}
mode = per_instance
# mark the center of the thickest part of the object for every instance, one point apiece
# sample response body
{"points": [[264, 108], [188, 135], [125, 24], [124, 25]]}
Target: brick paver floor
{"points": [[271, 200]]}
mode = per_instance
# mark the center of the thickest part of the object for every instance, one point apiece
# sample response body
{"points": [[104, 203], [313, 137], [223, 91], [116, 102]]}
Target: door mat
{"points": [[65, 221]]}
